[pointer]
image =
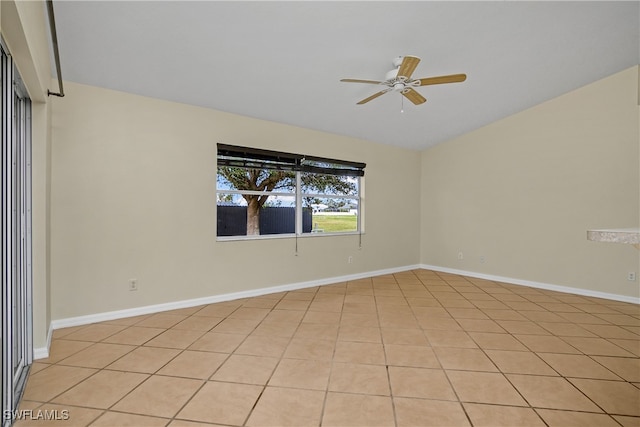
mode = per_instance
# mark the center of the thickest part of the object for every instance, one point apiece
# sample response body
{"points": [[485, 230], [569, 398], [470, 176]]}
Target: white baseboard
{"points": [[43, 352], [532, 284], [149, 309]]}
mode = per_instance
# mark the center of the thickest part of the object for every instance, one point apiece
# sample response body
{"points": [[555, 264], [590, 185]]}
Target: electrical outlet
{"points": [[133, 284], [482, 259], [460, 256], [631, 276], [350, 260]]}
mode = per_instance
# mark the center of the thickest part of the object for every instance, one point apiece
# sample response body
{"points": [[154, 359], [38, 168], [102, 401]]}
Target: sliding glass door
{"points": [[15, 253]]}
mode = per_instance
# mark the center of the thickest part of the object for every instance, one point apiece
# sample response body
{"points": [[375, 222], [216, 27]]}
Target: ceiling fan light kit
{"points": [[399, 80]]}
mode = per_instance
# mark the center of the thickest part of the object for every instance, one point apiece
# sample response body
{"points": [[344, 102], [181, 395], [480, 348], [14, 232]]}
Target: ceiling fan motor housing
{"points": [[391, 75]]}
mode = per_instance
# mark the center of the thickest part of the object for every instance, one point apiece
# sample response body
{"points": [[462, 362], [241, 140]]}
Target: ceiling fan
{"points": [[399, 80]]}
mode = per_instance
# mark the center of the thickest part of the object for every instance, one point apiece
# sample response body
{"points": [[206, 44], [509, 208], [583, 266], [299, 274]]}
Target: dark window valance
{"points": [[255, 158]]}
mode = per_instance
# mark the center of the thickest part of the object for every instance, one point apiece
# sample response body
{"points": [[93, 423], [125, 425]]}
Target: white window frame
{"points": [[298, 195]]}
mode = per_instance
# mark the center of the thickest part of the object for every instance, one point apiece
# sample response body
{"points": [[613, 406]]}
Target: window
{"points": [[262, 192]]}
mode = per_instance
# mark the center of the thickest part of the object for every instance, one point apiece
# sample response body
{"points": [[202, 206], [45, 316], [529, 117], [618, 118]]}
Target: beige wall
{"points": [[24, 29], [133, 196], [523, 191], [131, 183]]}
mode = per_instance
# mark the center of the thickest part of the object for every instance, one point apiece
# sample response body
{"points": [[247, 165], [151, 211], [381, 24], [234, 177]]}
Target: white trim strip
{"points": [[149, 309], [41, 353], [532, 284]]}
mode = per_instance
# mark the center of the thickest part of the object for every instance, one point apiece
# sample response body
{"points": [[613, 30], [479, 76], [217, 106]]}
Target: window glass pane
{"points": [[231, 199], [332, 215], [316, 183], [258, 193], [246, 215], [234, 178]]}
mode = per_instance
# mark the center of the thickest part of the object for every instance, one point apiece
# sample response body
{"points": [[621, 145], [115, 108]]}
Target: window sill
{"points": [[285, 236]]}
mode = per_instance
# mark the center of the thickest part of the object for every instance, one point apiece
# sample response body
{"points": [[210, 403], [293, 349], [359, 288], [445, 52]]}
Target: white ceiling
{"points": [[282, 61]]}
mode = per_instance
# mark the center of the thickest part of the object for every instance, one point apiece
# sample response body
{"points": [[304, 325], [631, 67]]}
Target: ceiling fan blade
{"points": [[414, 97], [374, 96], [408, 66], [373, 82], [453, 78]]}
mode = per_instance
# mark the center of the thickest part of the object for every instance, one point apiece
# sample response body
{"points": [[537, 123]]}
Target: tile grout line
{"points": [[266, 384], [569, 301]]}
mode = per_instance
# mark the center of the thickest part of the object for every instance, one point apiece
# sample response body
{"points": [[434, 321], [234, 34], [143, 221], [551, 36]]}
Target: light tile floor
{"points": [[417, 348]]}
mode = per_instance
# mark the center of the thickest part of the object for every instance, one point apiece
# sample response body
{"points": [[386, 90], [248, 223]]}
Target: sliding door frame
{"points": [[15, 253]]}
